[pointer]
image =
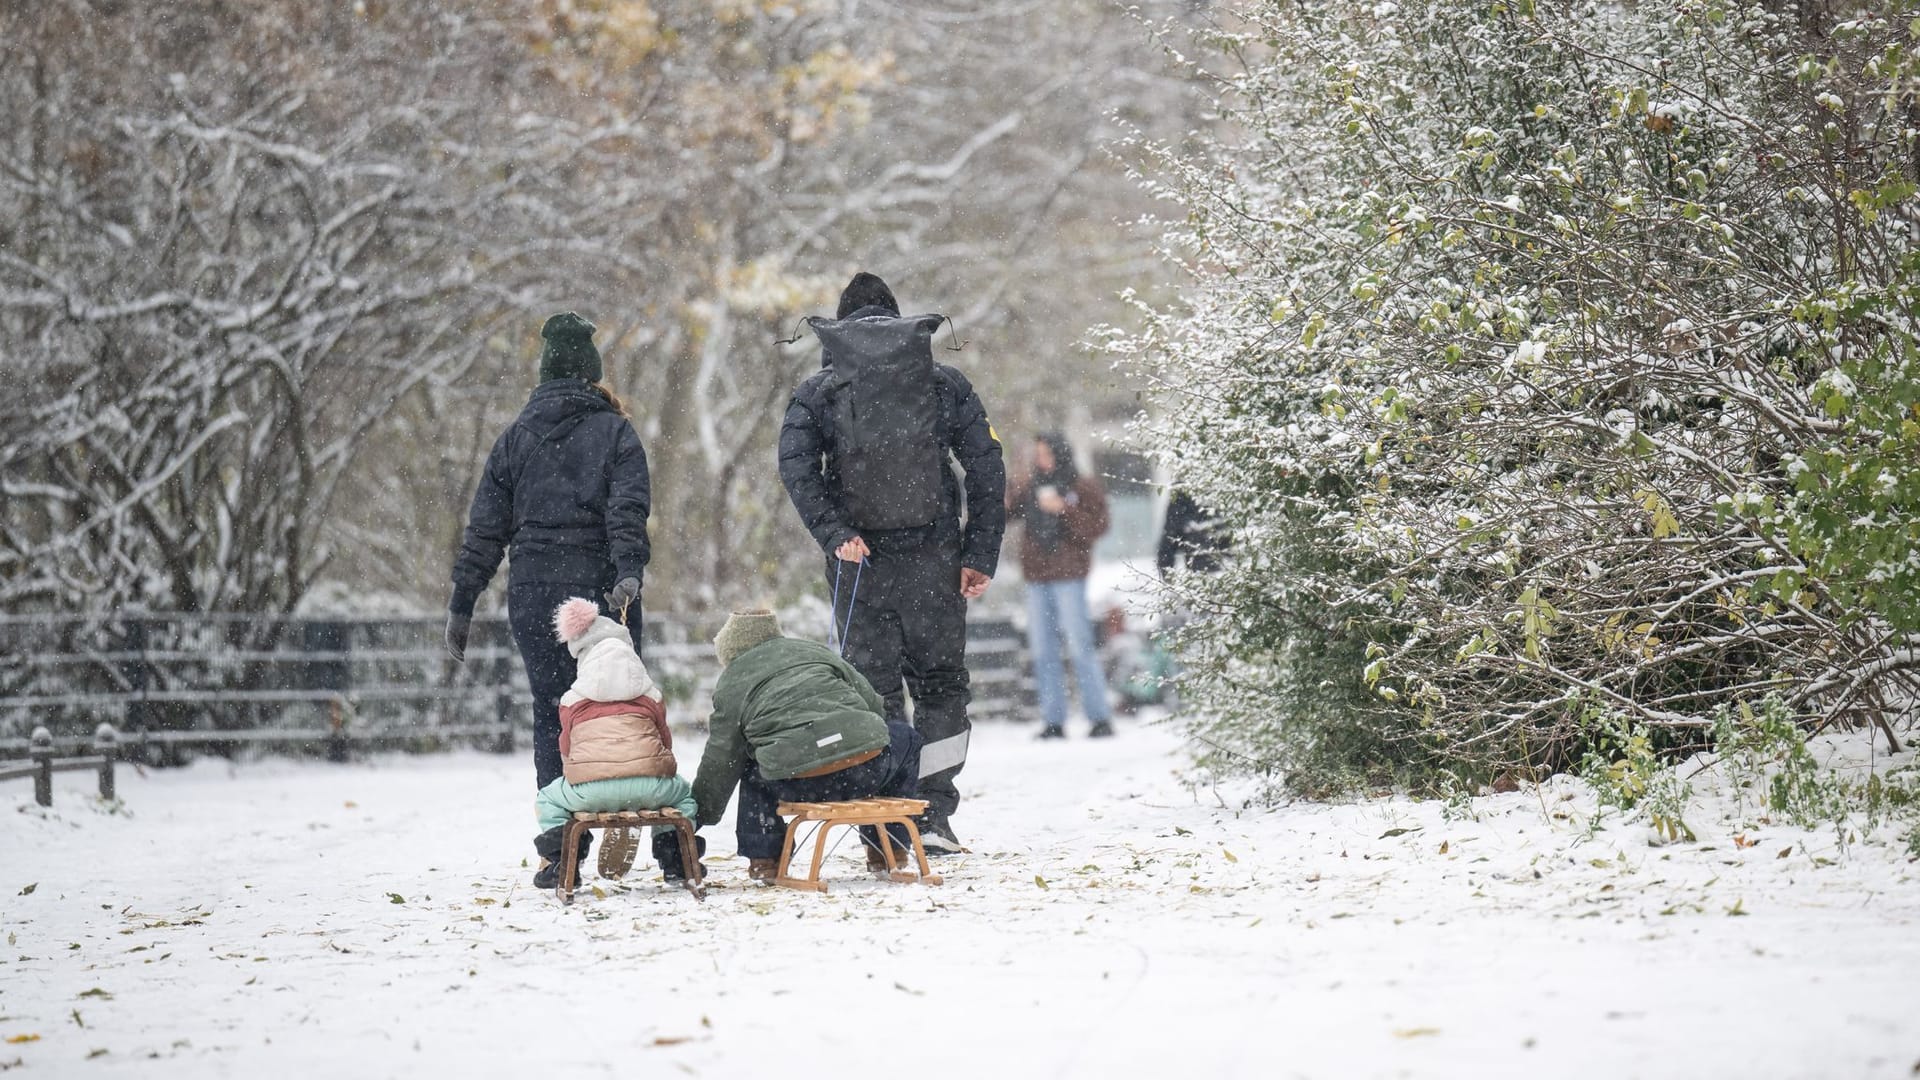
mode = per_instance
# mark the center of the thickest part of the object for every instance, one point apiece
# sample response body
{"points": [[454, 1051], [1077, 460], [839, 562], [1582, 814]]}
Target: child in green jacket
{"points": [[793, 722]]}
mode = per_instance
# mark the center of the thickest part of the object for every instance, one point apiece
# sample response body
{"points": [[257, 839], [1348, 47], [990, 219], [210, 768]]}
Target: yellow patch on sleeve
{"points": [[992, 434]]}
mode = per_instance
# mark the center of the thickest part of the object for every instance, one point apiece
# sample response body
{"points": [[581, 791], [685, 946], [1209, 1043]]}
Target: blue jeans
{"points": [[1056, 610], [895, 774]]}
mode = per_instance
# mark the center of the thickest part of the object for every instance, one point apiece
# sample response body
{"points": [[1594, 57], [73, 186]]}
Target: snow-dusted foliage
{"points": [[1546, 362], [211, 294], [271, 271]]}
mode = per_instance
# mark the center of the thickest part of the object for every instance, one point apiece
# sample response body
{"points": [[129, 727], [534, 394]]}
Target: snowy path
{"points": [[239, 922]]}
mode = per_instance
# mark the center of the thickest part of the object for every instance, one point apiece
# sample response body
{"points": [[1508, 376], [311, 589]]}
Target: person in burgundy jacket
{"points": [[1064, 512]]}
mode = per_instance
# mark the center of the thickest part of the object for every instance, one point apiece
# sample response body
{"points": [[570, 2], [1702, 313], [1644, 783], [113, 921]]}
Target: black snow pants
{"points": [[550, 667], [907, 633]]}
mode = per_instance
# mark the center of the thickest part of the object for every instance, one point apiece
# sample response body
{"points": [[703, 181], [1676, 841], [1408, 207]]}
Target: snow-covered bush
{"points": [[1545, 362]]}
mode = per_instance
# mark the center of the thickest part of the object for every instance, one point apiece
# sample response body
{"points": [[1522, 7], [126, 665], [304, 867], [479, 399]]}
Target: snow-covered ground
{"points": [[374, 920]]}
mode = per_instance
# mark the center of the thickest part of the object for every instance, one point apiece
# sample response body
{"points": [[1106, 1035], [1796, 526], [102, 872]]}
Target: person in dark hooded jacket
{"points": [[565, 492], [906, 627]]}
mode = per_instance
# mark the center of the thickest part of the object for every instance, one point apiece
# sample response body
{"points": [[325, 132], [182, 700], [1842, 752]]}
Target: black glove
{"points": [[457, 626], [623, 594]]}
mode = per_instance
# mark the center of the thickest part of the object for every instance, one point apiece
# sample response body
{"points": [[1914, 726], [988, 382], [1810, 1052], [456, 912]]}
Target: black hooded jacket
{"points": [[566, 486], [808, 470], [1188, 530]]}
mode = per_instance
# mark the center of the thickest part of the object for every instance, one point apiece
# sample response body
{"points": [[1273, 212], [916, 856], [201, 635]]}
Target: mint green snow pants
{"points": [[560, 800]]}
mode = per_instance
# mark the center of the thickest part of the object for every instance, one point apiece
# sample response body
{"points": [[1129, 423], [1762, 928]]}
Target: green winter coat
{"points": [[790, 707]]}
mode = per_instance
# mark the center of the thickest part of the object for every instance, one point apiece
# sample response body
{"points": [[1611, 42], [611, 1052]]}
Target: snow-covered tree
{"points": [[1546, 360], [271, 272], [210, 298]]}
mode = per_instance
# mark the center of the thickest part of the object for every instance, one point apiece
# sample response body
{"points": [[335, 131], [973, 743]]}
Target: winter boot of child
{"points": [[877, 859], [666, 852], [763, 869], [617, 849], [547, 846]]}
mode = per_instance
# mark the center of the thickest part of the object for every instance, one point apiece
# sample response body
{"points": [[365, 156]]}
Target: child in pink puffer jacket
{"points": [[615, 748]]}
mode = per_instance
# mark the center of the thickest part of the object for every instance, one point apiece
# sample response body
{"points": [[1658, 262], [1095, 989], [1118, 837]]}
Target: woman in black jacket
{"points": [[566, 490]]}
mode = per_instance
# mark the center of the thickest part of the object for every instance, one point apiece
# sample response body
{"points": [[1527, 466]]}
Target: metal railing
{"points": [[169, 682], [44, 764]]}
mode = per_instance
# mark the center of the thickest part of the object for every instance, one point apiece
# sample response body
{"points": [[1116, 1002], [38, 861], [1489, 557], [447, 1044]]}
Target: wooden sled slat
{"points": [[854, 812], [628, 819]]}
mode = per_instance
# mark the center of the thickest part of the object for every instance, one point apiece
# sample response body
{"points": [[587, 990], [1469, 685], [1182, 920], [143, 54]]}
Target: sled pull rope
{"points": [[953, 331], [840, 631], [798, 333]]}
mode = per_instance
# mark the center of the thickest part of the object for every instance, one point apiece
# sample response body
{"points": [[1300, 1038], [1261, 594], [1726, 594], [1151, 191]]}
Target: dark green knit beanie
{"points": [[568, 352]]}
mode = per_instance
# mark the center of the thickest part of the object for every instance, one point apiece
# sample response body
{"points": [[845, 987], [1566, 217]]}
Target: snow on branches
{"points": [[1548, 360], [199, 303]]}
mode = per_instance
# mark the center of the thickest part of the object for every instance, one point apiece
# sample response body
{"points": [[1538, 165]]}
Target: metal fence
{"points": [[169, 683]]}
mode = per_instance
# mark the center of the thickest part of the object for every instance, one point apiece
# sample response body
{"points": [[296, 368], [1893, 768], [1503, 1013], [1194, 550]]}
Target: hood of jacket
{"points": [[557, 406], [871, 311]]}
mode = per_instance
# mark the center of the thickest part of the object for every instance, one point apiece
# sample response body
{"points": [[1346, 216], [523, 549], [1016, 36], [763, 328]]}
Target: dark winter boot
{"points": [[666, 852], [936, 835], [1051, 732], [547, 845], [763, 869], [1101, 729]]}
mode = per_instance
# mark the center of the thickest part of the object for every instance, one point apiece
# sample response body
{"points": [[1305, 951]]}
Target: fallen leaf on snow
{"points": [[1415, 1033], [28, 891], [395, 898], [1230, 855], [1398, 832], [671, 1040], [96, 992], [1040, 881], [18, 1039]]}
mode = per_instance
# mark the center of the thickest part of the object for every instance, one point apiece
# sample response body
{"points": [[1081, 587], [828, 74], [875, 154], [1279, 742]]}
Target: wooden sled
{"points": [[627, 819], [876, 812]]}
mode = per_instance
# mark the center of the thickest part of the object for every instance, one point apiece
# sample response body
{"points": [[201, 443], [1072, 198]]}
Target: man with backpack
{"points": [[867, 453]]}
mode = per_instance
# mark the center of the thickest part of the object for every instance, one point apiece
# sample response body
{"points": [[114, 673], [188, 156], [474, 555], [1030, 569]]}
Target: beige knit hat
{"points": [[744, 630]]}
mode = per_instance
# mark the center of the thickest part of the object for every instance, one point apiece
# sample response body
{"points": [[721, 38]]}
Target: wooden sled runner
{"points": [[876, 812], [628, 819]]}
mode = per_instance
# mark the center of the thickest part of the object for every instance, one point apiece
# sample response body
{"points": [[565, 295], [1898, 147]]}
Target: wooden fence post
{"points": [[105, 744], [42, 752]]}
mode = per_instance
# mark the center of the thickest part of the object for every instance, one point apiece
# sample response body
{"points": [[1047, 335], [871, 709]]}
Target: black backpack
{"points": [[886, 418]]}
